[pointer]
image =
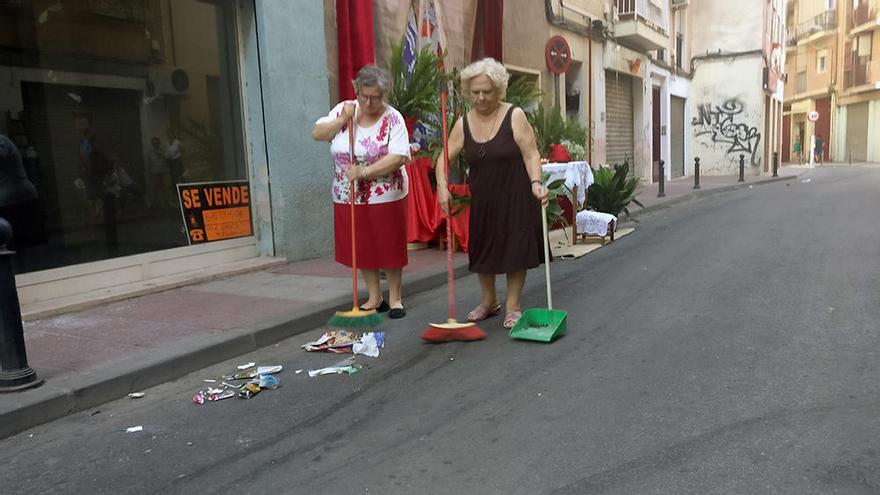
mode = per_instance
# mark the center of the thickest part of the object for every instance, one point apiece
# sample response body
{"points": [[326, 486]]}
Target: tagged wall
{"points": [[727, 115]]}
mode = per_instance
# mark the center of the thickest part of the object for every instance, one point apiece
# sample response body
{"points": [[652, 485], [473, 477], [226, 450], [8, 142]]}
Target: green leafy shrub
{"points": [[549, 127], [418, 94], [613, 190]]}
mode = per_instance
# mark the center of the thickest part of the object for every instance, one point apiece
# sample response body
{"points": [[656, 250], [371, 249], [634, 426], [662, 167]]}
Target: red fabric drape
{"points": [[354, 33], [488, 39], [425, 221], [461, 221], [423, 216]]}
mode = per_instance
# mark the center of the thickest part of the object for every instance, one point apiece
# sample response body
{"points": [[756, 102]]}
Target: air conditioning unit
{"points": [[166, 80], [679, 3]]}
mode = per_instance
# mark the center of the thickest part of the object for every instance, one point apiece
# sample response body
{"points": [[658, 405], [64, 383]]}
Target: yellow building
{"points": [[832, 69]]}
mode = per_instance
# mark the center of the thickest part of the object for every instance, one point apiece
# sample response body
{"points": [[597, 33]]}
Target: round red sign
{"points": [[813, 116], [558, 54]]}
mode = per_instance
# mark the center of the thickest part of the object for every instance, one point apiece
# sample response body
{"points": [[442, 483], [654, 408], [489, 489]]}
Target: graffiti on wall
{"points": [[723, 125]]}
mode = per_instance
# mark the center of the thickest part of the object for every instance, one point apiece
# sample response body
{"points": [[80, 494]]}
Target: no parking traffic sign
{"points": [[558, 55]]}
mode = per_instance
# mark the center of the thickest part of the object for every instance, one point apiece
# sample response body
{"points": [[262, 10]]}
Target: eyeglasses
{"points": [[370, 98]]}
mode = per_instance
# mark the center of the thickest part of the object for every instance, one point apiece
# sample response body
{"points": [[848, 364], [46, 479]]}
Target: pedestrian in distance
{"points": [[798, 151], [820, 148], [507, 191], [381, 185]]}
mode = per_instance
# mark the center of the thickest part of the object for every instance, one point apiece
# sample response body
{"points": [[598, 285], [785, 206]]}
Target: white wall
{"points": [[727, 115], [734, 26]]}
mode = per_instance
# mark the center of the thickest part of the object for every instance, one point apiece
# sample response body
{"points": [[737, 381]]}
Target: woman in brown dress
{"points": [[506, 188]]}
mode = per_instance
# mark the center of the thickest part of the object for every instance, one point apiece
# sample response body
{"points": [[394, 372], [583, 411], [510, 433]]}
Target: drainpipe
{"points": [[590, 95]]}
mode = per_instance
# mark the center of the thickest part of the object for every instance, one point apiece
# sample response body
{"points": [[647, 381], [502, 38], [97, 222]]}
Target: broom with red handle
{"points": [[450, 330], [357, 317]]}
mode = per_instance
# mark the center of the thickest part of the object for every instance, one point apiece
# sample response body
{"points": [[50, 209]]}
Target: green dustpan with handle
{"points": [[542, 325]]}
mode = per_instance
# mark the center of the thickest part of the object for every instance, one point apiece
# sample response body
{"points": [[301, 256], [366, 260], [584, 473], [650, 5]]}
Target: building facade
{"points": [[113, 103], [834, 70], [737, 84]]}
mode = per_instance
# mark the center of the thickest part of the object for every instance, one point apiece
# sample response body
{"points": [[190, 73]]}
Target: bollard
{"points": [[15, 374], [742, 168], [775, 164], [696, 172], [661, 191]]}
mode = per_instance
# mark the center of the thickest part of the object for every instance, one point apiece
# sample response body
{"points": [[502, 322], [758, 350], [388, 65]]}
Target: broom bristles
{"points": [[355, 319], [453, 331]]}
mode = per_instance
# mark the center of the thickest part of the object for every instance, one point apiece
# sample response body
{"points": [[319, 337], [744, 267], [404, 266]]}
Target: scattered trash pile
{"points": [[247, 383], [345, 342], [251, 379]]}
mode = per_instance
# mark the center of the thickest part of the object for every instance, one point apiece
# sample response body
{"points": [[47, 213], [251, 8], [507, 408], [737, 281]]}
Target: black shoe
{"points": [[380, 309], [397, 313]]}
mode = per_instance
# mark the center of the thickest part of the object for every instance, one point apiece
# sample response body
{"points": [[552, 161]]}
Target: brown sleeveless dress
{"points": [[505, 222]]}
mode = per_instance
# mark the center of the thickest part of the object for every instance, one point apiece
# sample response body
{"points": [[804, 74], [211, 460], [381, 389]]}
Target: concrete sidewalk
{"points": [[102, 353]]}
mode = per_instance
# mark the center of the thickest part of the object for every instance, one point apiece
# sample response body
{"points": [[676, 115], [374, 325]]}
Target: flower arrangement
{"points": [[576, 151]]}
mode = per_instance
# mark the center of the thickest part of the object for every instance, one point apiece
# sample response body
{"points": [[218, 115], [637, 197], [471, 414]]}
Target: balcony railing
{"points": [[865, 11], [651, 11], [822, 22], [862, 73]]}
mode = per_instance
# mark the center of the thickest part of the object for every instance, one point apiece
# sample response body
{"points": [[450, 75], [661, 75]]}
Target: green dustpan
{"points": [[542, 325]]}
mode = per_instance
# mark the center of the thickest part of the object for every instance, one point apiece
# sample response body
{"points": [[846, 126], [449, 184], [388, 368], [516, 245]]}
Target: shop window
{"points": [[112, 103]]}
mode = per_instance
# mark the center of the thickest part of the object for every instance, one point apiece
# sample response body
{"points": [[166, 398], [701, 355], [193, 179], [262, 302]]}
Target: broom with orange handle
{"points": [[450, 330], [357, 317]]}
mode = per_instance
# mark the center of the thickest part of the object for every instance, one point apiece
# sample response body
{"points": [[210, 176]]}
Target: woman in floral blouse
{"points": [[381, 148]]}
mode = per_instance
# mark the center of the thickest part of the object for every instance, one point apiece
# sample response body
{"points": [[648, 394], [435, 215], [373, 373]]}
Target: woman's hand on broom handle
{"points": [[540, 192], [356, 172], [443, 199]]}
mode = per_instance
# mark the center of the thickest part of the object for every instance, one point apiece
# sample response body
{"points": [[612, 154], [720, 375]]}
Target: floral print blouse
{"points": [[387, 136]]}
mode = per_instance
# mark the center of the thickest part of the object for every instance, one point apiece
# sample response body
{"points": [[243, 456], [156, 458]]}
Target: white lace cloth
{"points": [[575, 174], [593, 222]]}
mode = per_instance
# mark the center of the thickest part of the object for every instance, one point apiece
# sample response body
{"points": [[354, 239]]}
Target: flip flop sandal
{"points": [[481, 312], [511, 318]]}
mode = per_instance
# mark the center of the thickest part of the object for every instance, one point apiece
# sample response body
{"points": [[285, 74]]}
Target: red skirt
{"points": [[381, 234]]}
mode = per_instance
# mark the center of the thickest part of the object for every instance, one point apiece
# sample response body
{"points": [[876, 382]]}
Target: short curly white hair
{"points": [[490, 67]]}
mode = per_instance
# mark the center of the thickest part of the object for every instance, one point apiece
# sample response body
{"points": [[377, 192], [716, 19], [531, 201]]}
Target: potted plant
{"points": [[613, 190], [552, 131], [414, 94]]}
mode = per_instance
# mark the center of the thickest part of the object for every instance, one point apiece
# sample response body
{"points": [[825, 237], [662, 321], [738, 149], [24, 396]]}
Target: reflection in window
{"points": [[111, 103]]}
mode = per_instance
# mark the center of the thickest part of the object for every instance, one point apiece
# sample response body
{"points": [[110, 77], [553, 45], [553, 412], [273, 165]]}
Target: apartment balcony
{"points": [[862, 76], [816, 28], [642, 24], [865, 16]]}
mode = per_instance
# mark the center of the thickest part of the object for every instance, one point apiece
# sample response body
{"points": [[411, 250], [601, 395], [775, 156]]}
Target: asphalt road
{"points": [[729, 345]]}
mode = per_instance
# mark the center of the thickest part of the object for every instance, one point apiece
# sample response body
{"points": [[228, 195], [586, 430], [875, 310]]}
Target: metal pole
{"points": [[775, 164], [742, 168], [15, 374], [696, 172], [661, 193]]}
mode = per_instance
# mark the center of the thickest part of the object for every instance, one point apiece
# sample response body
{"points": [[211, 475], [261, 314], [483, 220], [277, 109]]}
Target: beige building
{"points": [[833, 69]]}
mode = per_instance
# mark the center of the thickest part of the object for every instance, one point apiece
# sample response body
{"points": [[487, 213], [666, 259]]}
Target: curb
{"points": [[699, 193], [57, 399]]}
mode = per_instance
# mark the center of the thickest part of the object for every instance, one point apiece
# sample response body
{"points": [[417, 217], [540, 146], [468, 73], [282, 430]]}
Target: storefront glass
{"points": [[111, 103]]}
